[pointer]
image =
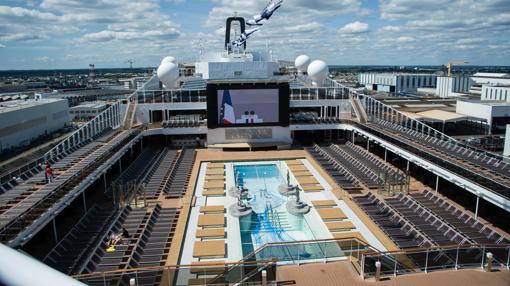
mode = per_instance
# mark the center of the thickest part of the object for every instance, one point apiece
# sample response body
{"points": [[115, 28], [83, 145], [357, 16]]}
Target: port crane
{"points": [[449, 65]]}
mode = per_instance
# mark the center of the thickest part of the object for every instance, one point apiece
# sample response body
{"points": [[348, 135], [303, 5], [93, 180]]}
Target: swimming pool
{"points": [[269, 221]]}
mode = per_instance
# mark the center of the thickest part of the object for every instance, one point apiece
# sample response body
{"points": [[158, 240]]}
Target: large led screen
{"points": [[247, 106], [238, 105]]}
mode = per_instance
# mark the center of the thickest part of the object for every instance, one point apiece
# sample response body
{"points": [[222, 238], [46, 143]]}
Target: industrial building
{"points": [[396, 82], [86, 110], [22, 121], [77, 96], [480, 79], [452, 86], [495, 114], [133, 83], [495, 92]]}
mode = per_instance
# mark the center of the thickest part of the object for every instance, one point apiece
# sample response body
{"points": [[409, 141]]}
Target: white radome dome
{"points": [[318, 71], [168, 73], [168, 59], [302, 62]]}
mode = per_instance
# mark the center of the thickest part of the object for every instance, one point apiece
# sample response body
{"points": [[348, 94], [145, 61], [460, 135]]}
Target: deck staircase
{"points": [[359, 110], [130, 115]]}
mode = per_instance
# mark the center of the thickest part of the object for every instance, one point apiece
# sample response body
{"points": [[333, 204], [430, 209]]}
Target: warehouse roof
{"points": [[490, 74], [436, 115], [14, 105]]}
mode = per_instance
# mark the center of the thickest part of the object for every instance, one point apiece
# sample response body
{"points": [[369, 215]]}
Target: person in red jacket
{"points": [[49, 174]]}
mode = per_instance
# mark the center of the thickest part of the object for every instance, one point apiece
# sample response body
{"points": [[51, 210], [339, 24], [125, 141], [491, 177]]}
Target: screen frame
{"points": [[212, 103]]}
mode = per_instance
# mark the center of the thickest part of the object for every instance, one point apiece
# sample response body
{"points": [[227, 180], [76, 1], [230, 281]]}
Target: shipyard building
{"points": [[396, 82], [22, 121]]}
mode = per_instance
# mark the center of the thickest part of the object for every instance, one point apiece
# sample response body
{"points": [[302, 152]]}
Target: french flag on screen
{"points": [[228, 109]]}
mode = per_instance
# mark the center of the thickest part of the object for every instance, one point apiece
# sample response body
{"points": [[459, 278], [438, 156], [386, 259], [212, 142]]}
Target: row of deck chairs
{"points": [[154, 251], [183, 123], [178, 180], [472, 160], [355, 167], [342, 177], [472, 228], [138, 168], [151, 232], [315, 120], [403, 234], [412, 224], [36, 171], [400, 231], [371, 161], [426, 222], [157, 177], [69, 253], [469, 155], [31, 201], [66, 162]]}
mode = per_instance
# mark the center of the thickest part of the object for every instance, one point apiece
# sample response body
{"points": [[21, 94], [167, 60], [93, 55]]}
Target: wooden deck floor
{"points": [[343, 274]]}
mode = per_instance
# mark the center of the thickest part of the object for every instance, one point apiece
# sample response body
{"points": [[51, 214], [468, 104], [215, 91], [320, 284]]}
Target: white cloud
{"points": [[304, 28], [108, 35], [405, 39], [301, 9], [3, 46], [44, 59], [108, 32], [21, 37], [391, 28], [465, 41], [354, 28]]}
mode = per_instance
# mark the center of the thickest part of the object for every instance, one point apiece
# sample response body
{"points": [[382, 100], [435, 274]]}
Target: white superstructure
{"points": [[227, 66]]}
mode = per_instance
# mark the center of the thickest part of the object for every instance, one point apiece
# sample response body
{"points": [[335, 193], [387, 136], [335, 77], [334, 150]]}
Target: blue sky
{"points": [[49, 34]]}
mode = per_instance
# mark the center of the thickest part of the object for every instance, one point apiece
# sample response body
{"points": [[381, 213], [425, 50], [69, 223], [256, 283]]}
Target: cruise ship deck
{"points": [[248, 174]]}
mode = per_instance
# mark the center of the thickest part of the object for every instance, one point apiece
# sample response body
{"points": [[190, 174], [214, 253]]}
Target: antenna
{"points": [[201, 47]]}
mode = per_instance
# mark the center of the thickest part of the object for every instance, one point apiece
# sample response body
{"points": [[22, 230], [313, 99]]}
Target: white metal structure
{"points": [[17, 269]]}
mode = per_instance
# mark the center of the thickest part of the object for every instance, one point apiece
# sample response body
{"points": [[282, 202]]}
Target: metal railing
{"points": [[319, 93], [249, 273], [171, 96], [376, 109], [110, 118], [434, 259], [13, 232]]}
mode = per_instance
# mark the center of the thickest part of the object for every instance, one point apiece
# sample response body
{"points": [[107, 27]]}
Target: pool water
{"points": [[269, 221]]}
